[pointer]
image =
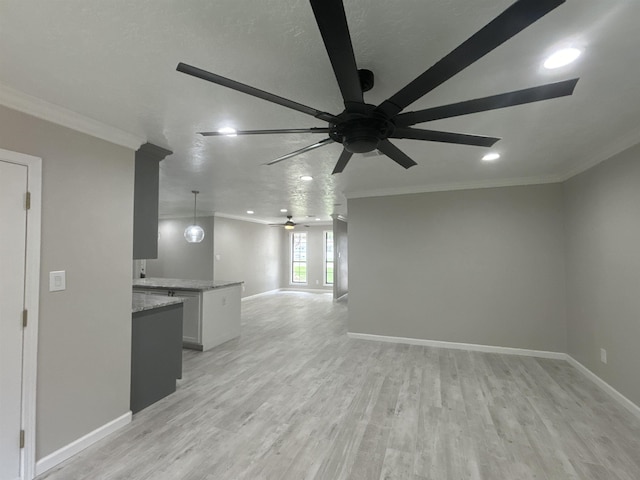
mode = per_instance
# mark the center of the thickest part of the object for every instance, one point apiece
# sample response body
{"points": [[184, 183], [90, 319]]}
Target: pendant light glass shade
{"points": [[194, 233]]}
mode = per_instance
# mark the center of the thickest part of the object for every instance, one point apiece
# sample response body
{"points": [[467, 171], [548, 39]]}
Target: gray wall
{"points": [[247, 251], [179, 259], [478, 266], [603, 269], [341, 258], [315, 258], [84, 341]]}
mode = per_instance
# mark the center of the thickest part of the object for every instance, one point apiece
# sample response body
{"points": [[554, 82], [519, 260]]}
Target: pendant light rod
{"points": [[195, 195]]}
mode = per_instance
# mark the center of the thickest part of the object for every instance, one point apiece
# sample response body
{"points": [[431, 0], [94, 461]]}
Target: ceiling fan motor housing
{"points": [[361, 132]]}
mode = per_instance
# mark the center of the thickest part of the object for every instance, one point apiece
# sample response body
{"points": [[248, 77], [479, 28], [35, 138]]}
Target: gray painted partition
{"points": [[179, 259], [475, 266], [340, 258], [247, 251], [84, 337], [602, 207]]}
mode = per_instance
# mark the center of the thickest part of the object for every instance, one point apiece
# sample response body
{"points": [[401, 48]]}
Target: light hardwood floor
{"points": [[294, 398]]}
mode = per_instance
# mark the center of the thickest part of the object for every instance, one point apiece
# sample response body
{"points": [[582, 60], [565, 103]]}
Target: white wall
{"points": [[247, 251], [478, 266], [603, 269], [179, 259], [315, 258], [84, 342]]}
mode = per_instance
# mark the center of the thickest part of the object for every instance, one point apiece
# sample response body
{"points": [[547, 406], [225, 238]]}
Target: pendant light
{"points": [[194, 233]]}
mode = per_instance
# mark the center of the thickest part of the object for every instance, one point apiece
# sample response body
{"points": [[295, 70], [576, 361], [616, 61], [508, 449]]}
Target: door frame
{"points": [[31, 303]]}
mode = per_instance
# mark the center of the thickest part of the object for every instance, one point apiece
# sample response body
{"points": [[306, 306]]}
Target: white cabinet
{"points": [[191, 317], [210, 317]]}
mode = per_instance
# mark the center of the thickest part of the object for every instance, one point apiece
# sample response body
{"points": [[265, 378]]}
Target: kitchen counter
{"points": [[143, 301], [211, 309], [182, 284]]}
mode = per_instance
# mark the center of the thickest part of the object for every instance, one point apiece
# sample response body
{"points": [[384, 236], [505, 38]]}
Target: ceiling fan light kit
{"points": [[288, 225], [362, 128]]}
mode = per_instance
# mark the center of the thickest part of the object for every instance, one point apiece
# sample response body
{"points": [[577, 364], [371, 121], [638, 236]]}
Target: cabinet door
{"points": [[191, 320]]}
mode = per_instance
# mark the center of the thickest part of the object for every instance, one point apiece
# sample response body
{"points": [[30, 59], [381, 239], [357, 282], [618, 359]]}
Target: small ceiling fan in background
{"points": [[362, 127], [288, 225]]}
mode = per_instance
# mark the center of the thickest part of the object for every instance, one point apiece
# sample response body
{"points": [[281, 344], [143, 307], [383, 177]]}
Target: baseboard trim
{"points": [[613, 393], [308, 290], [75, 447], [460, 346], [268, 292], [342, 298]]}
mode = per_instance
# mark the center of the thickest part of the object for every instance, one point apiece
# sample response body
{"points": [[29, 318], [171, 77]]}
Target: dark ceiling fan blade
{"points": [[332, 23], [395, 154], [345, 156], [266, 132], [510, 99], [445, 137], [241, 87], [321, 143], [510, 22]]}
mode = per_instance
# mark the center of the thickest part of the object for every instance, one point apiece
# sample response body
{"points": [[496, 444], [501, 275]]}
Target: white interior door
{"points": [[13, 223]]}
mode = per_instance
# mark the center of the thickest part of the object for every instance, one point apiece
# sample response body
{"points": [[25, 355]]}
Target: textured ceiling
{"points": [[115, 62]]}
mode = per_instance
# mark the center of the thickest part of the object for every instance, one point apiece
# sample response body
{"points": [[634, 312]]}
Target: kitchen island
{"points": [[156, 348], [211, 308]]}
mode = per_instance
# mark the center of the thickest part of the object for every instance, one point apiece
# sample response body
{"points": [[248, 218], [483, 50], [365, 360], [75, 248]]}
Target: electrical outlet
{"points": [[603, 355]]}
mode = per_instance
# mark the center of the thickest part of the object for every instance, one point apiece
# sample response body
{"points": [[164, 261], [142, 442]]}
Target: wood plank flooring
{"points": [[294, 398]]}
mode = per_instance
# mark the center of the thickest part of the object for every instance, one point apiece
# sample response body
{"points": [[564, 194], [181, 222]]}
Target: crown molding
{"points": [[611, 150], [50, 112], [510, 182]]}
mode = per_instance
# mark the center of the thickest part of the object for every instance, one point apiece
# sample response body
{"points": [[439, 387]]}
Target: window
{"points": [[299, 257], [328, 258]]}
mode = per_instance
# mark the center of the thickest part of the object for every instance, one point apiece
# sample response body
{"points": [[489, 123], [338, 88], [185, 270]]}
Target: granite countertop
{"points": [[181, 284], [143, 301]]}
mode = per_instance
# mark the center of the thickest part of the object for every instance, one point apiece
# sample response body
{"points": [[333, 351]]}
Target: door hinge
{"points": [[24, 317], [27, 201], [21, 438]]}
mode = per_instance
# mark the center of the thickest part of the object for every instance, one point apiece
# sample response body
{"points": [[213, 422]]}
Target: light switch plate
{"points": [[603, 355], [57, 281]]}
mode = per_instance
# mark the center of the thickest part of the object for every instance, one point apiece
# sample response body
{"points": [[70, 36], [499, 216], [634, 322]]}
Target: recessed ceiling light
{"points": [[306, 178], [283, 210], [561, 58], [317, 219], [490, 157], [228, 131], [250, 212]]}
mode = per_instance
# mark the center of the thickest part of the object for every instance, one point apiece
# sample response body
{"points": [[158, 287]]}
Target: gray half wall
{"points": [[603, 270], [84, 337], [477, 266]]}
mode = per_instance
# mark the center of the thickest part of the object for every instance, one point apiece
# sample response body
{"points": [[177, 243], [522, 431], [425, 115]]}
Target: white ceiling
{"points": [[115, 62]]}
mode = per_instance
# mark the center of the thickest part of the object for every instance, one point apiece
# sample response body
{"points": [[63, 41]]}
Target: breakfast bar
{"points": [[211, 308]]}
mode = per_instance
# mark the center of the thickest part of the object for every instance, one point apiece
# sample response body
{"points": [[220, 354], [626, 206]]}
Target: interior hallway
{"points": [[294, 398]]}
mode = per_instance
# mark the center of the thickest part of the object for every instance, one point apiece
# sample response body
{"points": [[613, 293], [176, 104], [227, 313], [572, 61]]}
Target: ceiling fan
{"points": [[288, 225], [362, 127]]}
